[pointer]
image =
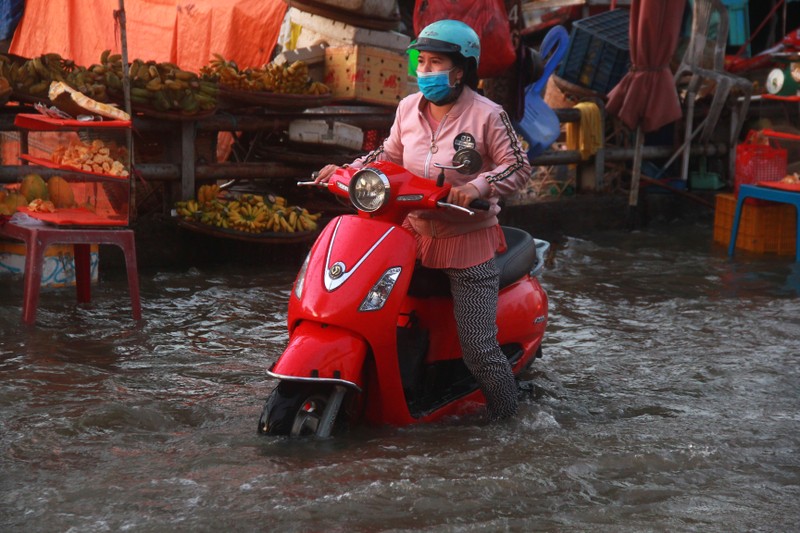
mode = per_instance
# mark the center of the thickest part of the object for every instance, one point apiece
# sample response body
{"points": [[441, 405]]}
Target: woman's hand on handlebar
{"points": [[325, 173], [463, 195]]}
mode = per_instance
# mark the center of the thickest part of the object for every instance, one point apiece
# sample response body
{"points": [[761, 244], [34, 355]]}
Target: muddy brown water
{"points": [[668, 399]]}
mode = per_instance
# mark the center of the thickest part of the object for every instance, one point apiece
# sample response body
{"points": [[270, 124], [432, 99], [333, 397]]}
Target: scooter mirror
{"points": [[465, 161]]}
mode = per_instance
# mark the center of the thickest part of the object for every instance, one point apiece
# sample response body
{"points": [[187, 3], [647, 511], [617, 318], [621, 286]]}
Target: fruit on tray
{"points": [[97, 156], [75, 103], [249, 213], [32, 77], [41, 206], [281, 78], [161, 86], [32, 187], [11, 202], [60, 192], [166, 87], [207, 193]]}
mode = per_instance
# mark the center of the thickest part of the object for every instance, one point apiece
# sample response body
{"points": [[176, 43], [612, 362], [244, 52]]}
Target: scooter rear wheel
{"points": [[295, 410]]}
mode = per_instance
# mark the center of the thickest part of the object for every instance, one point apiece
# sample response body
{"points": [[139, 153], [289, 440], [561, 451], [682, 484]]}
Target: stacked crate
{"points": [[598, 54], [765, 227]]}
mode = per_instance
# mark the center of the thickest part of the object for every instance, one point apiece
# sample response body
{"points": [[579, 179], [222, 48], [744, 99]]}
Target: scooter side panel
{"points": [[315, 352]]}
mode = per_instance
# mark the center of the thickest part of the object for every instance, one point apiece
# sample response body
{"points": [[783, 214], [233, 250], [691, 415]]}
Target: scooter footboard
{"points": [[322, 353]]}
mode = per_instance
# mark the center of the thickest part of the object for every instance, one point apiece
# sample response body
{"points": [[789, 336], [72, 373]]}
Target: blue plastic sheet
{"points": [[10, 14]]}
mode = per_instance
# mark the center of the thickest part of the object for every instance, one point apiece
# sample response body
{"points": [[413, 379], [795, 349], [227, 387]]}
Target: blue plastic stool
{"points": [[773, 195]]}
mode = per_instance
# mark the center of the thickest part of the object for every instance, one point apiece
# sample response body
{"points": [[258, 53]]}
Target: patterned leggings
{"points": [[475, 304]]}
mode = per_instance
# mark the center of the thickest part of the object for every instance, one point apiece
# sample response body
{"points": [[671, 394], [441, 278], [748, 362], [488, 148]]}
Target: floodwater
{"points": [[668, 399]]}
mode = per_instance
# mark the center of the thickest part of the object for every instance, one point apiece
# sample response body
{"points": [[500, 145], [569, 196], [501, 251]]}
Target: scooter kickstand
{"points": [[330, 412]]}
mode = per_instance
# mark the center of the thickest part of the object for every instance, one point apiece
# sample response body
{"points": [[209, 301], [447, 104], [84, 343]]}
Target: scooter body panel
{"points": [[317, 352], [348, 259]]}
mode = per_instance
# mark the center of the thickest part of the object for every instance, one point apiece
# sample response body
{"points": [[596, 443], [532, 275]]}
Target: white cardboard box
{"points": [[315, 29], [320, 132]]}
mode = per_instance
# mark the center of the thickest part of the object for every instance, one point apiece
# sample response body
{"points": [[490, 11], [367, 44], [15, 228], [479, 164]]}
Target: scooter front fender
{"points": [[322, 353]]}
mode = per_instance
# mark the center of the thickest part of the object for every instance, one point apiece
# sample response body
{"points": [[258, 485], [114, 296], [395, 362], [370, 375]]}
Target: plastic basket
{"points": [[598, 55], [756, 161]]}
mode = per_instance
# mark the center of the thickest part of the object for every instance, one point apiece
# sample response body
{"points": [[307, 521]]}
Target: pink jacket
{"points": [[474, 122]]}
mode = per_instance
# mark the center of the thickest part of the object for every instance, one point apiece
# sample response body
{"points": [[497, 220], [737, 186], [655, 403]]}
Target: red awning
{"points": [[184, 33], [646, 97]]}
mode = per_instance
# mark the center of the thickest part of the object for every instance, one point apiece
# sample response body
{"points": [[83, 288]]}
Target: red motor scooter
{"points": [[372, 336]]}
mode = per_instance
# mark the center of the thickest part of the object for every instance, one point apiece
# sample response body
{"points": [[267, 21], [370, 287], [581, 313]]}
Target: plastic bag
{"points": [[758, 160], [489, 20]]}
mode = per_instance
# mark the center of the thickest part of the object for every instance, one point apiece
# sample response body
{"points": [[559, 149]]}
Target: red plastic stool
{"points": [[38, 238]]}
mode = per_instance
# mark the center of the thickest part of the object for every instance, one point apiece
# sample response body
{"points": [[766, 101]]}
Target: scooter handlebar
{"points": [[479, 204]]}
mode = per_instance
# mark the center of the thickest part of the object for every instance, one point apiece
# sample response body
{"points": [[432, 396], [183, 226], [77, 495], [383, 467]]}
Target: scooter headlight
{"points": [[380, 292], [369, 190]]}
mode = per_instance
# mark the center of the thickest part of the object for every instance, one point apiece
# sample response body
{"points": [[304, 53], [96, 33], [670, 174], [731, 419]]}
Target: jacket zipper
{"points": [[432, 149]]}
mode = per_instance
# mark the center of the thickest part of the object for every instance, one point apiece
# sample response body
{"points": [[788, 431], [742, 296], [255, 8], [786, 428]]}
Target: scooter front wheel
{"points": [[302, 409]]}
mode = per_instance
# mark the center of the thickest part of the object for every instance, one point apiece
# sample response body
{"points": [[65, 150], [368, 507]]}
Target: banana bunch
{"points": [[248, 213], [291, 79], [166, 87], [248, 217], [207, 193], [32, 77], [99, 81], [189, 210], [272, 77]]}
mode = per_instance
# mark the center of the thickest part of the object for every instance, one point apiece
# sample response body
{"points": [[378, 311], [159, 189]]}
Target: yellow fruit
{"points": [[60, 192], [33, 187], [14, 200]]}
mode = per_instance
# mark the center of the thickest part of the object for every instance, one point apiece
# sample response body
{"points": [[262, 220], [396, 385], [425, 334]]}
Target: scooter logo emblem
{"points": [[336, 270]]}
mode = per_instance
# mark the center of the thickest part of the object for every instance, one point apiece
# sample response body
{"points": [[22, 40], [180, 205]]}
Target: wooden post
{"points": [[633, 199], [119, 15]]}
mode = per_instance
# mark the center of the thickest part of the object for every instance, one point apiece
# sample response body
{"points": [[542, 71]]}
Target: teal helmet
{"points": [[450, 37]]}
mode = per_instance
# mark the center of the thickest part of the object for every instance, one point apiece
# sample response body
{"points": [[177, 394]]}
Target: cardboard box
{"points": [[58, 269], [320, 132], [312, 29], [366, 74]]}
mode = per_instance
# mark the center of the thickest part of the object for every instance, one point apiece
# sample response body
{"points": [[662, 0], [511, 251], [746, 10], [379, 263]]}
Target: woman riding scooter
{"points": [[430, 126]]}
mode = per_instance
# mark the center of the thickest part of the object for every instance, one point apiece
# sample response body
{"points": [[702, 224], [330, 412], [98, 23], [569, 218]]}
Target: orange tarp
{"points": [[186, 32]]}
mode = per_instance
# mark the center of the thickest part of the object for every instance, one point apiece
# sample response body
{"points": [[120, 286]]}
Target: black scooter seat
{"points": [[518, 259], [515, 262]]}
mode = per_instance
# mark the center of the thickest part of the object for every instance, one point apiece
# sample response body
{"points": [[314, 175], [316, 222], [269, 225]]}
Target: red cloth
{"points": [[184, 33], [646, 95]]}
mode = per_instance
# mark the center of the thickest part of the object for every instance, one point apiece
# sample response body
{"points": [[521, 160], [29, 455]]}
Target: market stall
{"points": [[232, 117]]}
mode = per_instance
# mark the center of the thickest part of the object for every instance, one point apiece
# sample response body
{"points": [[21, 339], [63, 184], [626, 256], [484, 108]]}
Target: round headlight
{"points": [[369, 189]]}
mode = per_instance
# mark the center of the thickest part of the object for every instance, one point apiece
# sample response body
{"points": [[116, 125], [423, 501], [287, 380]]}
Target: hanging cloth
{"points": [[585, 136]]}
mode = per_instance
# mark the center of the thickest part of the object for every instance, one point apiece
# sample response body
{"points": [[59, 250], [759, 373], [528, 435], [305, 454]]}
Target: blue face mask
{"points": [[435, 86]]}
